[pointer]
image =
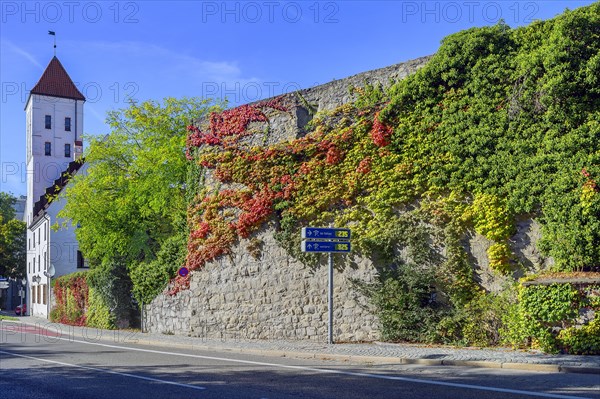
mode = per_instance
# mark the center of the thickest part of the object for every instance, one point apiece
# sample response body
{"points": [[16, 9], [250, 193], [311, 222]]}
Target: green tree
{"points": [[12, 239], [7, 201]]}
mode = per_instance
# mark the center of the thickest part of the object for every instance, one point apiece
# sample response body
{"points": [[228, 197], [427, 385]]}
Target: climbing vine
{"points": [[501, 123], [78, 304], [71, 293], [546, 318]]}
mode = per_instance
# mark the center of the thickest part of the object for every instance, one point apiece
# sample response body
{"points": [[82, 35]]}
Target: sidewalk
{"points": [[362, 353]]}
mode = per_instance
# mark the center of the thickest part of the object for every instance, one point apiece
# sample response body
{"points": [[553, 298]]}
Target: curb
{"points": [[370, 360]]}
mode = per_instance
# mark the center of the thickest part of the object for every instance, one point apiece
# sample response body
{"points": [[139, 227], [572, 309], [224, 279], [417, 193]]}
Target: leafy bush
{"points": [[478, 323], [150, 278], [113, 286], [584, 340], [404, 304], [98, 314], [546, 318], [550, 304]]}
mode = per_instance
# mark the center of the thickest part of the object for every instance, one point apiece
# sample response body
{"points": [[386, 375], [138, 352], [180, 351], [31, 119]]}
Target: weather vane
{"points": [[51, 32]]}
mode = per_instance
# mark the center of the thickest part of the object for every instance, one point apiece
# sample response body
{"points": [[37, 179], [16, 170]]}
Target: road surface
{"points": [[37, 363]]}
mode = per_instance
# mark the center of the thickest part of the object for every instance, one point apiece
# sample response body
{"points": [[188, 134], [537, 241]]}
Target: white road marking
{"points": [[140, 377], [332, 371]]}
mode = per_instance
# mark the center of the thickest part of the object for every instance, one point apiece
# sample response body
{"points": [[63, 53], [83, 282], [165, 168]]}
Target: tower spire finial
{"points": [[51, 32]]}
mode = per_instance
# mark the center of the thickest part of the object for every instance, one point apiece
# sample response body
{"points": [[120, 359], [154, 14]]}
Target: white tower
{"points": [[54, 112], [54, 128]]}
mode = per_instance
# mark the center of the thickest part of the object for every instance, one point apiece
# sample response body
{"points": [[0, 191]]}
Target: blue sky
{"points": [[242, 50]]}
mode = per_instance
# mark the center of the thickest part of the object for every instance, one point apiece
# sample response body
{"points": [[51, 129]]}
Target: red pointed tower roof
{"points": [[55, 82]]}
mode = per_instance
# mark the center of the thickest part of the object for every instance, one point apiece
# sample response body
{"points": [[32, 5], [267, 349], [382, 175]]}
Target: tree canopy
{"points": [[13, 255]]}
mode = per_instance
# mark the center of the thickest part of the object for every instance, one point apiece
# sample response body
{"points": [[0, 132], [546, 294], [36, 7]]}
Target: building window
{"points": [[81, 263], [67, 124], [39, 236], [34, 239], [29, 245], [39, 263], [67, 150], [33, 300], [29, 267], [47, 148], [48, 122], [45, 293], [45, 262], [39, 294]]}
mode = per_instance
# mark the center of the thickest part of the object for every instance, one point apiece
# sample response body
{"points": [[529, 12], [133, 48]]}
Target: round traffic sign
{"points": [[183, 271]]}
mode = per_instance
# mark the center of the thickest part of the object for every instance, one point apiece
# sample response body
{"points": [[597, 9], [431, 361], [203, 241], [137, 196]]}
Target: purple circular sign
{"points": [[183, 271]]}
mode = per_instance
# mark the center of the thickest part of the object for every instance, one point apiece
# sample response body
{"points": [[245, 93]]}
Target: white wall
{"points": [[63, 244], [37, 263]]}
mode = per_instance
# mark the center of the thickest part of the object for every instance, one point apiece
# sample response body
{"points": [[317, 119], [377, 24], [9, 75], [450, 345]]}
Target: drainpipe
{"points": [[47, 262], [75, 125]]}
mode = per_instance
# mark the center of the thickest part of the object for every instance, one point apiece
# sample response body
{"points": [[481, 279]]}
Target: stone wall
{"points": [[260, 292], [266, 294], [263, 293]]}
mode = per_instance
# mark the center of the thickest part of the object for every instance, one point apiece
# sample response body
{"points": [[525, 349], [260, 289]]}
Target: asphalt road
{"points": [[49, 366]]}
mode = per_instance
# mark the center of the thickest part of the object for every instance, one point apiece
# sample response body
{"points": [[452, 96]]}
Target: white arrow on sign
{"points": [[3, 284]]}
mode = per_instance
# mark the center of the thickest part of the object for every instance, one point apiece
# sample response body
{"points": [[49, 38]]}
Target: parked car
{"points": [[18, 309]]}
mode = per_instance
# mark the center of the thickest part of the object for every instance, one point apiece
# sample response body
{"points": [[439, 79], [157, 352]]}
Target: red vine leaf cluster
{"points": [[590, 183], [380, 132], [78, 288], [364, 166], [227, 127]]}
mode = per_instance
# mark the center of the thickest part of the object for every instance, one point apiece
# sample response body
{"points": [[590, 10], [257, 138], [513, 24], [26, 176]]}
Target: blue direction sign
{"points": [[321, 233], [325, 246]]}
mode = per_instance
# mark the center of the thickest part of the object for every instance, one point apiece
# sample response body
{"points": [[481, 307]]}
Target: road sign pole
{"points": [[330, 324], [327, 240], [142, 316]]}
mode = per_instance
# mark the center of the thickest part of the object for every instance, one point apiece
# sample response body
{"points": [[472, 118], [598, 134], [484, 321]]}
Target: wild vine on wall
{"points": [[501, 123]]}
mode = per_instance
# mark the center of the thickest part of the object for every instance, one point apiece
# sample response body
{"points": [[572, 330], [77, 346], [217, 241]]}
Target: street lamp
{"points": [[22, 292]]}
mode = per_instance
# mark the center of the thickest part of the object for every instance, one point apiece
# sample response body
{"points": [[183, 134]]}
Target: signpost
{"points": [[321, 233], [327, 240], [325, 246]]}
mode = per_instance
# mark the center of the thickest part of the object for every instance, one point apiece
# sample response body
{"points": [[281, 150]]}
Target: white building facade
{"points": [[54, 120]]}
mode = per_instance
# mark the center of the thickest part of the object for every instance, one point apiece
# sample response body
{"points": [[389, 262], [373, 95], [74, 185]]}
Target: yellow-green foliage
{"points": [[584, 340], [98, 314], [499, 255], [491, 217], [543, 310]]}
